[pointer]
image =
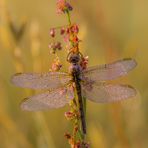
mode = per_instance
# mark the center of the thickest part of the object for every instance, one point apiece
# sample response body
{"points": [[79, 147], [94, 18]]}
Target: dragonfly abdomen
{"points": [[80, 100]]}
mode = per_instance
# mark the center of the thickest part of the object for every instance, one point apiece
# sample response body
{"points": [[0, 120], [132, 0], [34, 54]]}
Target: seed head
{"points": [[52, 32], [69, 115], [84, 62], [56, 65], [62, 30], [63, 6], [54, 46]]}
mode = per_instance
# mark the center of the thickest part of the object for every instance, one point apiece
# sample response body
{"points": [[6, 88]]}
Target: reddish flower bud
{"points": [[85, 145], [69, 7], [52, 48], [75, 29], [56, 65], [68, 136], [58, 46], [67, 30], [52, 32], [62, 31], [78, 145], [63, 6], [69, 115], [66, 38], [55, 46], [84, 62], [75, 39]]}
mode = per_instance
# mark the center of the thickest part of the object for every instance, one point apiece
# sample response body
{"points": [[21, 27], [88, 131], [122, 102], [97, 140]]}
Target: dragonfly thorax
{"points": [[75, 68]]}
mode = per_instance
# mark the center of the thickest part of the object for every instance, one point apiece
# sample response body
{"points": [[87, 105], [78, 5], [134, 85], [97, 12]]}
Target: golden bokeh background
{"points": [[110, 30]]}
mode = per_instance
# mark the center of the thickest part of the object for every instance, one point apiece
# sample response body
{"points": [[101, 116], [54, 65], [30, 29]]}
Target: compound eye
{"points": [[71, 59]]}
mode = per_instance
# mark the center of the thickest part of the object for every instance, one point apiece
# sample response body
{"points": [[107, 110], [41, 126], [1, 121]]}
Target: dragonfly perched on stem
{"points": [[89, 83]]}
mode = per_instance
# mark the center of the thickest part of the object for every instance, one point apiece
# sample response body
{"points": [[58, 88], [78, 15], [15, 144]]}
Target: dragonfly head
{"points": [[74, 58]]}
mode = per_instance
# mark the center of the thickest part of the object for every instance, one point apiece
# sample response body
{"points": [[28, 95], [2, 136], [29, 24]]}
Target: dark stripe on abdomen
{"points": [[81, 107]]}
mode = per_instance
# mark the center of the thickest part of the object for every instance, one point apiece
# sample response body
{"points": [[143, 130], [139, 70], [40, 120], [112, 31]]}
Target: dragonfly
{"points": [[92, 83]]}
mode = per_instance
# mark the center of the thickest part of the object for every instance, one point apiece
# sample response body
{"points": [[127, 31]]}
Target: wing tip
{"points": [[23, 105], [13, 78], [129, 64], [133, 61], [134, 90]]}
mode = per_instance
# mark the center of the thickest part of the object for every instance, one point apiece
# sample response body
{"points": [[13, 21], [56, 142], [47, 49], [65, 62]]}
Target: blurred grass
{"points": [[110, 30]]}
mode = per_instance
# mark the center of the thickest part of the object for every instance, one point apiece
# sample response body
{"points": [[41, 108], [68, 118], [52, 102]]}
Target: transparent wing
{"points": [[48, 100], [110, 71], [106, 93], [48, 80]]}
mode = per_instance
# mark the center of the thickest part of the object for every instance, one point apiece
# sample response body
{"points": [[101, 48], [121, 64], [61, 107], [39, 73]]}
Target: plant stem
{"points": [[68, 16], [79, 135]]}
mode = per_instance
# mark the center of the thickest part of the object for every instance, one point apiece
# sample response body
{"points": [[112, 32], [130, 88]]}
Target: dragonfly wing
{"points": [[48, 80], [107, 93], [48, 100], [110, 71]]}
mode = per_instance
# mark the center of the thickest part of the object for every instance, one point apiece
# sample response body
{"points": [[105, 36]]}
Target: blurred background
{"points": [[110, 30]]}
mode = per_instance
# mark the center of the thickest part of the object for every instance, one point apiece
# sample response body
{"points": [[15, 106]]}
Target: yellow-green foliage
{"points": [[110, 30]]}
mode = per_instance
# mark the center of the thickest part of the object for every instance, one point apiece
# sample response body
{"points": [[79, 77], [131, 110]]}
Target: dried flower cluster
{"points": [[56, 65], [63, 6], [78, 144], [69, 35]]}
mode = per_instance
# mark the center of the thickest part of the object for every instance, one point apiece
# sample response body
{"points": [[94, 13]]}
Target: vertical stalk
{"points": [[79, 133], [68, 16]]}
